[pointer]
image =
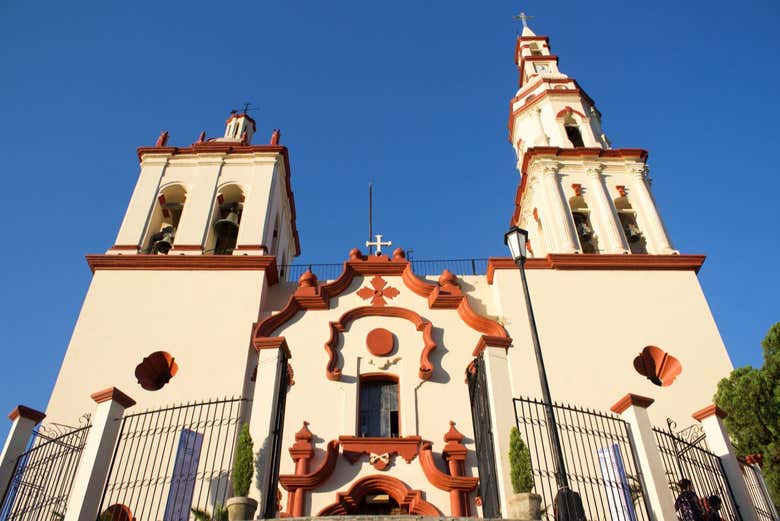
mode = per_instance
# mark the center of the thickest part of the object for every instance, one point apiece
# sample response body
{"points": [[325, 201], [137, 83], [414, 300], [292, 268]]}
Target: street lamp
{"points": [[567, 504]]}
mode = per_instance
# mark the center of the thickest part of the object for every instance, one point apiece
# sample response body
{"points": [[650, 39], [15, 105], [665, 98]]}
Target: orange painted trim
{"points": [[315, 478], [486, 341], [186, 263], [629, 400], [441, 480], [22, 411], [410, 500], [708, 411], [113, 394], [568, 110], [333, 371], [595, 261], [272, 342], [187, 247], [355, 447], [236, 148]]}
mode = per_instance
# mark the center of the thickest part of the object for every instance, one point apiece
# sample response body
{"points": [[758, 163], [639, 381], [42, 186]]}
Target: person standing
{"points": [[687, 502]]}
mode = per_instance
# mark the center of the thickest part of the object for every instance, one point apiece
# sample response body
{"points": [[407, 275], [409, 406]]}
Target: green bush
{"points": [[519, 463], [243, 463]]}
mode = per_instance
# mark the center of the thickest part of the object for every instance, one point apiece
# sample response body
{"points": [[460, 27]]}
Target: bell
{"points": [[583, 229], [162, 241], [632, 233], [227, 227]]}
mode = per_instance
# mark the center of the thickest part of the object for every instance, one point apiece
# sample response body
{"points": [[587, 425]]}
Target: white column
{"points": [[502, 416], [254, 218], [23, 420], [92, 472], [561, 225], [142, 201], [197, 214], [610, 238], [265, 400], [633, 409], [647, 212], [711, 418]]}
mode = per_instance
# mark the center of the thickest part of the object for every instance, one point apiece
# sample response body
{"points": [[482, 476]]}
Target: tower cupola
{"points": [[239, 127]]}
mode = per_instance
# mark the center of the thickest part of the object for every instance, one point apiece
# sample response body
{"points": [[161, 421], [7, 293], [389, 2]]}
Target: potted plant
{"points": [[240, 507], [523, 504]]}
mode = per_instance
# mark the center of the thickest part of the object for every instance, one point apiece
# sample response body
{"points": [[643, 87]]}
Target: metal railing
{"points": [[759, 495], [168, 461], [600, 457], [423, 268], [43, 477], [692, 459]]}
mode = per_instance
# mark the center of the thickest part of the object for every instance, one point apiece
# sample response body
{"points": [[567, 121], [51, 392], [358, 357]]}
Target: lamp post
{"points": [[567, 504]]}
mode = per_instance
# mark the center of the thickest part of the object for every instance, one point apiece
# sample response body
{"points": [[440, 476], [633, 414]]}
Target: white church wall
{"points": [[592, 324], [202, 318]]}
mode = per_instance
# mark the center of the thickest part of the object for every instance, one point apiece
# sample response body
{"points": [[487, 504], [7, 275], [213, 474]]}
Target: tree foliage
{"points": [[751, 397], [243, 464], [519, 463]]}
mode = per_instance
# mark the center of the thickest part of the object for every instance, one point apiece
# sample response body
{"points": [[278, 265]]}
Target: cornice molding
{"points": [[263, 263], [594, 261]]}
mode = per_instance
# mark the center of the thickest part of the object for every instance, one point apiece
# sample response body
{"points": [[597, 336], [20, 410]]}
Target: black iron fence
{"points": [[423, 268], [168, 461], [686, 456], [759, 495], [600, 459], [43, 476]]}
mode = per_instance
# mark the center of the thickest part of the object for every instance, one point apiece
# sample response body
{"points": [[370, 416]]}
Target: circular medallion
{"points": [[380, 342]]}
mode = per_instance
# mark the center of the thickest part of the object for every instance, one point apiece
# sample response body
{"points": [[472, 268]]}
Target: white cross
{"points": [[523, 18], [378, 244]]}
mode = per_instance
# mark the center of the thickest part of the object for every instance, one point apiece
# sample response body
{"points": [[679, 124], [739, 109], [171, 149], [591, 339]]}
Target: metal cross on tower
{"points": [[378, 243], [523, 18]]}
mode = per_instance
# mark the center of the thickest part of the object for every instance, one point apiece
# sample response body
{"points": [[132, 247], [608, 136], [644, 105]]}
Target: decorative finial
{"points": [[523, 19]]}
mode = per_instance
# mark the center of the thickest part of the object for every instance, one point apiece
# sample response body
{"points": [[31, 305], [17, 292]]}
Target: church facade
{"points": [[366, 385]]}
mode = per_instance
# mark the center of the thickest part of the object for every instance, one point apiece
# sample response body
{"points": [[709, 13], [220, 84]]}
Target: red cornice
{"points": [[629, 400], [411, 501], [21, 411], [595, 261], [441, 480], [222, 147], [186, 263], [354, 447], [710, 410], [113, 394]]}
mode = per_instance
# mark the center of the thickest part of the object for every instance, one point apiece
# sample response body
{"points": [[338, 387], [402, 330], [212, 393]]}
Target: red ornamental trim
{"points": [[710, 410], [568, 110], [595, 261], [332, 370], [458, 486], [379, 292], [315, 478], [355, 447], [410, 500], [631, 399], [113, 394]]}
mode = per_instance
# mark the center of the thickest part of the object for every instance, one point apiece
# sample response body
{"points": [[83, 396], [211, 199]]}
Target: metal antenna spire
{"points": [[246, 108], [370, 215]]}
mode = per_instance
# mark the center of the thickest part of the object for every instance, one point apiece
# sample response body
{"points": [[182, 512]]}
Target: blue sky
{"points": [[412, 95]]}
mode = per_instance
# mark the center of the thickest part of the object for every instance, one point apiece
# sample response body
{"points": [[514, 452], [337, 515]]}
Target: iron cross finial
{"points": [[523, 18]]}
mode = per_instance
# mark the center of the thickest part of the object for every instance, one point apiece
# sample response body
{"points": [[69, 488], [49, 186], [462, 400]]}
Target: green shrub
{"points": [[519, 463], [220, 514], [243, 463]]}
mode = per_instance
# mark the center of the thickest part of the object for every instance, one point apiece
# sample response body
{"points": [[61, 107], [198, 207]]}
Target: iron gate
{"points": [[43, 476], [483, 438], [759, 495], [270, 502], [685, 455]]}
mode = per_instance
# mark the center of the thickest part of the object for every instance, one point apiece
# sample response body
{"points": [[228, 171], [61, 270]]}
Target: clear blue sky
{"points": [[410, 94]]}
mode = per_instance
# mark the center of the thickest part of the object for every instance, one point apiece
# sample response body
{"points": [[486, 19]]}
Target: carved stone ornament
{"points": [[657, 365], [378, 291]]}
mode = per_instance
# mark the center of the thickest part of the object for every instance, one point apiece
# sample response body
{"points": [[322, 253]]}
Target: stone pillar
{"points": [[95, 462], [647, 212], [265, 399], [610, 237], [133, 227], [502, 416], [255, 219], [711, 419], [561, 225], [23, 420], [633, 409]]}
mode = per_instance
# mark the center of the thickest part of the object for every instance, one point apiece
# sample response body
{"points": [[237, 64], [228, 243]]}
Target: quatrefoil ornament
{"points": [[379, 292]]}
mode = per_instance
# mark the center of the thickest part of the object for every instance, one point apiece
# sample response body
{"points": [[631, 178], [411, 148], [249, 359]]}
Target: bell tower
{"points": [[577, 193]]}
